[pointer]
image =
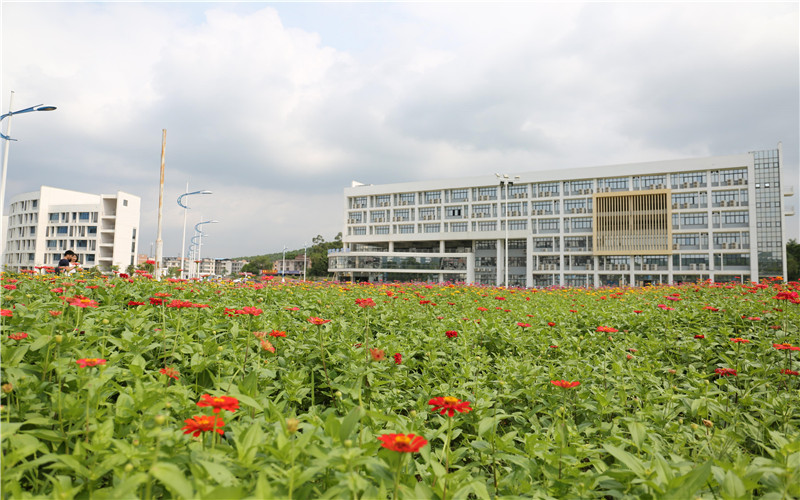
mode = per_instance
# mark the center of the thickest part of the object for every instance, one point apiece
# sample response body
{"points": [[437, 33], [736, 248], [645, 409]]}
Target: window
{"points": [[53, 217], [459, 194], [358, 202], [381, 229], [405, 198], [406, 228], [431, 228], [62, 230], [459, 227], [402, 215], [51, 243], [359, 231], [84, 216], [432, 196], [548, 225], [582, 223], [697, 219], [546, 189], [517, 225], [487, 226], [615, 183], [383, 200], [518, 191], [93, 230], [453, 212], [486, 245], [124, 203]]}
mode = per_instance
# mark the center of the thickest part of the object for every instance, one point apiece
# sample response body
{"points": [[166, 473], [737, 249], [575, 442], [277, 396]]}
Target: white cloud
{"points": [[276, 108]]}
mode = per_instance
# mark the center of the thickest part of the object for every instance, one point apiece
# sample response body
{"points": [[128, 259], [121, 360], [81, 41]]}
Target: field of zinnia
{"points": [[124, 388]]}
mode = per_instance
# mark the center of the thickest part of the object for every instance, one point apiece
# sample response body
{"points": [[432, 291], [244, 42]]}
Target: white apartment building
{"points": [[718, 218], [41, 225]]}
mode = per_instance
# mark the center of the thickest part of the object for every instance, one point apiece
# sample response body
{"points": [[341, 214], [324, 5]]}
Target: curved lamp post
{"points": [[506, 181], [8, 140], [200, 244], [185, 208]]}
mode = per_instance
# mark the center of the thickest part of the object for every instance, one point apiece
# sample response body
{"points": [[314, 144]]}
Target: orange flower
{"points": [[203, 423], [18, 336], [318, 321], [83, 363], [606, 329], [219, 403], [267, 345], [564, 384], [404, 443], [170, 372], [377, 354], [449, 405], [277, 333]]}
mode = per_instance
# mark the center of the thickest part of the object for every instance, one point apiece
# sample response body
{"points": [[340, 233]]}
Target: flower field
{"points": [[126, 388]]}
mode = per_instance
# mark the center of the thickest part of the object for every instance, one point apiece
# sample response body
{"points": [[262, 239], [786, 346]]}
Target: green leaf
{"points": [[350, 422], [173, 478], [626, 458], [218, 473], [686, 486]]}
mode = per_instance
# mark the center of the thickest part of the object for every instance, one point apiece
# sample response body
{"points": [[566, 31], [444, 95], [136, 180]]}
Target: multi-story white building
{"points": [[294, 266], [718, 218], [101, 229]]}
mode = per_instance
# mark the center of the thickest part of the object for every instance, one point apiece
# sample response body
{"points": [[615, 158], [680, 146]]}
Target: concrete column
{"points": [[529, 261], [500, 261]]}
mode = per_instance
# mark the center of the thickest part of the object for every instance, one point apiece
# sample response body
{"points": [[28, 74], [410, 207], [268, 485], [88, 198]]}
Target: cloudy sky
{"points": [[276, 107]]}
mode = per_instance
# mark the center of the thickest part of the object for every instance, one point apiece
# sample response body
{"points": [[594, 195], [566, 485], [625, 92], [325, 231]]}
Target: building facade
{"points": [[718, 218], [295, 266], [101, 229]]}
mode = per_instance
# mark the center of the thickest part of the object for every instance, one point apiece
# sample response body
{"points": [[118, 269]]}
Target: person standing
{"points": [[66, 261]]}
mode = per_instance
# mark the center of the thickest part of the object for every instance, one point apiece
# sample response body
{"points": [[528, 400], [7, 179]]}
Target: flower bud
{"points": [[348, 443], [160, 420], [338, 394], [413, 413], [291, 424], [128, 467], [219, 348], [694, 426], [7, 388], [58, 339], [708, 423], [105, 321]]}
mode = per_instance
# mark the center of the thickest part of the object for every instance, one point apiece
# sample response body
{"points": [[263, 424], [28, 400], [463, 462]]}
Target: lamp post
{"points": [[283, 266], [305, 259], [185, 208], [7, 140], [200, 244], [505, 181]]}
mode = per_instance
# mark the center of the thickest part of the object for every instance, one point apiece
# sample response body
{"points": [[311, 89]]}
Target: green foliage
{"points": [[650, 418], [793, 260]]}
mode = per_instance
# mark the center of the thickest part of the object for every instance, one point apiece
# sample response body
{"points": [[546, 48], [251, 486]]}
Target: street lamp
{"points": [[283, 266], [200, 244], [8, 140], [305, 259], [185, 208], [506, 181]]}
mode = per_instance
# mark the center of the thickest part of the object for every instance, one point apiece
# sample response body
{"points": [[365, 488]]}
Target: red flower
{"points": [[699, 336], [252, 311], [451, 334], [267, 346], [711, 308], [318, 321], [292, 308], [10, 287], [606, 329], [365, 302], [277, 333], [564, 384], [134, 303], [83, 363], [550, 323], [156, 302], [377, 354], [753, 318], [6, 312], [398, 358], [219, 403], [637, 312], [790, 372], [202, 423], [81, 301], [739, 340], [404, 443], [449, 405], [18, 336], [725, 372], [524, 325], [482, 309], [170, 372], [782, 347], [553, 347], [54, 313]]}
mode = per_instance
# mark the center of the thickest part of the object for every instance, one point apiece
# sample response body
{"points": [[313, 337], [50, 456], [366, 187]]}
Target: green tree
{"points": [[792, 260], [256, 264]]}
